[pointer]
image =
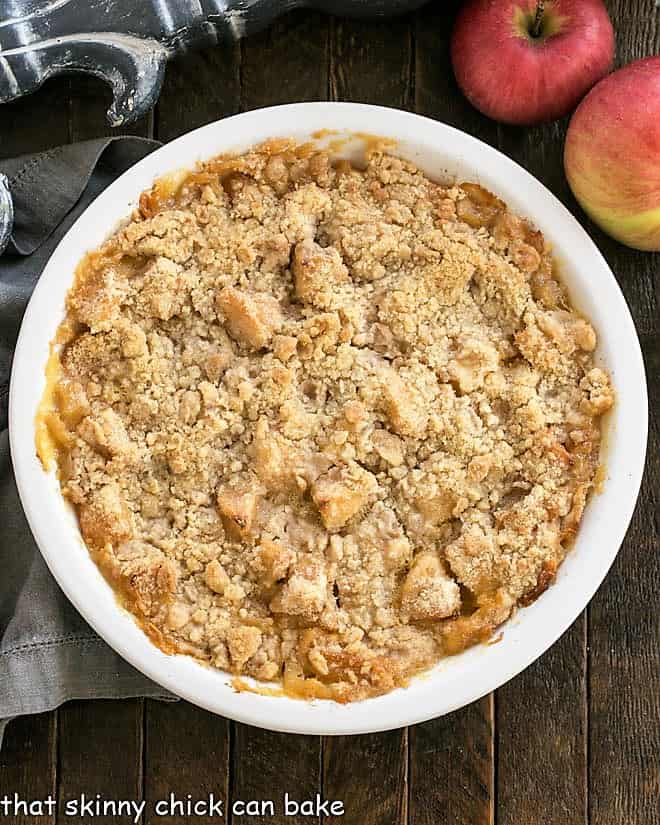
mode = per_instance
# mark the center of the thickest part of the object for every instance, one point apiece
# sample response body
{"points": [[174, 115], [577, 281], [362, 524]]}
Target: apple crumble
{"points": [[324, 424]]}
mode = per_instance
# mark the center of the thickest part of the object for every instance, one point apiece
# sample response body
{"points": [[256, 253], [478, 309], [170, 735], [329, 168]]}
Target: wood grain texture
{"points": [[637, 29], [452, 768], [28, 763], [187, 748], [572, 740], [541, 719], [457, 751], [369, 774], [287, 63], [199, 88], [436, 92], [28, 759], [372, 62], [266, 765], [624, 634], [624, 639], [186, 752], [100, 752], [542, 715]]}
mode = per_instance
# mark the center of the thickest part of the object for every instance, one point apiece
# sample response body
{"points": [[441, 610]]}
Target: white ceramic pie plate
{"points": [[441, 152]]}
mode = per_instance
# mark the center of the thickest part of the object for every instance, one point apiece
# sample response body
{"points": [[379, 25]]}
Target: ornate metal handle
{"points": [[6, 213], [128, 43]]}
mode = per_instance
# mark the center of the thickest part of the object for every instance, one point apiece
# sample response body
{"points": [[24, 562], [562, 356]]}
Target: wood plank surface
{"points": [[267, 765], [574, 740], [100, 747], [456, 751], [286, 63], [187, 749], [186, 755], [541, 723], [542, 715], [636, 27], [436, 92], [370, 62], [29, 758], [624, 633], [624, 639], [369, 775], [198, 88], [28, 764], [452, 768], [88, 100]]}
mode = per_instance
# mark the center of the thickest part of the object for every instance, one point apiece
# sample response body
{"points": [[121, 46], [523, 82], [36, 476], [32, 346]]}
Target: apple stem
{"points": [[538, 18]]}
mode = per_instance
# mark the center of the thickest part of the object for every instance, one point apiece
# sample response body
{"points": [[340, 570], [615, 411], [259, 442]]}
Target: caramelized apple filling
{"points": [[324, 425]]}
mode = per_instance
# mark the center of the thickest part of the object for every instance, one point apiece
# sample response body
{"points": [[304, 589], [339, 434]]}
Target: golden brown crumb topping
{"points": [[323, 424]]}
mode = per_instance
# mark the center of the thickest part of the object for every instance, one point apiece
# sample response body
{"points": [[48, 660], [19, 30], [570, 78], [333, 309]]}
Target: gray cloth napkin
{"points": [[48, 654]]}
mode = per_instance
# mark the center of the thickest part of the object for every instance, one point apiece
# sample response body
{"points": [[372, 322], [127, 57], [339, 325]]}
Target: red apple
{"points": [[528, 61], [612, 154]]}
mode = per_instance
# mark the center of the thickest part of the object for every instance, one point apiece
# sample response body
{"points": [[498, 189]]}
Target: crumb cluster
{"points": [[323, 424]]}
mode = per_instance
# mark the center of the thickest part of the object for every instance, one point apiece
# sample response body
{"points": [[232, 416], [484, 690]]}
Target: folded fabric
{"points": [[48, 654]]}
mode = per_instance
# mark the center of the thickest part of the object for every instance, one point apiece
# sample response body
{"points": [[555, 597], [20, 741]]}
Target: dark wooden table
{"points": [[575, 739]]}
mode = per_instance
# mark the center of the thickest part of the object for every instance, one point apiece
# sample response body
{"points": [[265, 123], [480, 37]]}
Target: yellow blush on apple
{"points": [[612, 154]]}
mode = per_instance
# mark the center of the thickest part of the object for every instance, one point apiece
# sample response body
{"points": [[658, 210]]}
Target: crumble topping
{"points": [[325, 424]]}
